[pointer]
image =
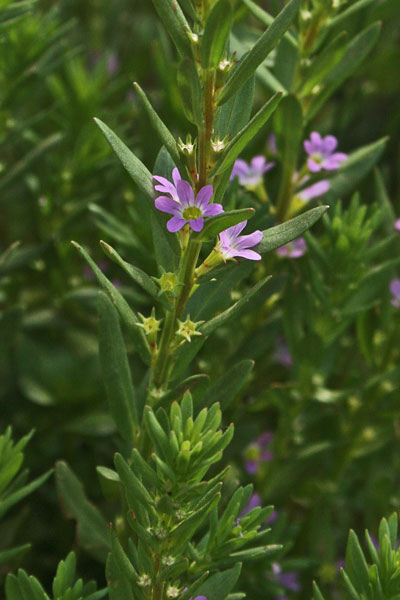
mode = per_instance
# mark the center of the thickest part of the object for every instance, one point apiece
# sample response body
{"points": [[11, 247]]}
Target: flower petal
{"points": [[248, 241], [249, 254], [204, 196], [313, 166], [176, 176], [212, 209], [258, 163], [329, 144], [167, 205], [197, 224], [185, 193], [175, 224]]}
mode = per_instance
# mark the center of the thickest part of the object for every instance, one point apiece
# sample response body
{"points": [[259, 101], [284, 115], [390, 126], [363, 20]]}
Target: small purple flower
{"points": [[321, 152], [282, 353], [294, 249], [395, 291], [289, 580], [397, 225], [166, 186], [254, 501], [250, 175], [258, 453], [186, 207], [231, 243]]}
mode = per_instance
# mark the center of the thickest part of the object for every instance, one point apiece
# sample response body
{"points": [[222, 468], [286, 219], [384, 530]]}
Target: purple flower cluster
{"points": [[258, 453], [254, 501], [186, 208], [321, 153], [289, 580]]}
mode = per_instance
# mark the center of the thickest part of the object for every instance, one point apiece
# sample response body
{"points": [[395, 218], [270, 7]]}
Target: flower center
{"points": [[317, 157], [192, 213]]}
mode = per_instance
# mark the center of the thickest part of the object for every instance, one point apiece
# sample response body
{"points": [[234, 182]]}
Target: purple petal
{"points": [[204, 196], [175, 224], [248, 241], [167, 205], [213, 209], [333, 162], [258, 163], [316, 141], [234, 231], [313, 166], [397, 225], [308, 147], [165, 186], [329, 144], [176, 176], [239, 168], [251, 466], [185, 193], [249, 254], [265, 438], [315, 190], [266, 456], [197, 224], [395, 287]]}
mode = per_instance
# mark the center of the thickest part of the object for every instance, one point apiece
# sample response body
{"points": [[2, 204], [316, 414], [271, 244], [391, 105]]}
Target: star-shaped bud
{"points": [[150, 326], [168, 283], [187, 329]]}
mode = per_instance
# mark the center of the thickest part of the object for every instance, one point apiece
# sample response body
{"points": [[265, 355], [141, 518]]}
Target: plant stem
{"points": [[205, 133]]}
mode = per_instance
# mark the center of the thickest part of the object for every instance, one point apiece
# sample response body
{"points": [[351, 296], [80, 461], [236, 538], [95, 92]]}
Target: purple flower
{"points": [[397, 225], [251, 175], [186, 207], [166, 186], [231, 243], [254, 501], [395, 291], [282, 354], [258, 453], [289, 580], [321, 152], [293, 249]]}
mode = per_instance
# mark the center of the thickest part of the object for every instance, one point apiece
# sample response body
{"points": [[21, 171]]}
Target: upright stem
{"points": [[205, 133]]}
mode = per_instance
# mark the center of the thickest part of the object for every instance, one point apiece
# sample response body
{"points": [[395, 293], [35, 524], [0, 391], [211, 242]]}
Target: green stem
{"points": [[205, 133]]}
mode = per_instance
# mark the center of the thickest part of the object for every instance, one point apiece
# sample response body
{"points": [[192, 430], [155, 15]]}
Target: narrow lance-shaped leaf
{"points": [[138, 276], [235, 114], [244, 136], [219, 585], [278, 236], [91, 526], [175, 23], [216, 32], [213, 226], [115, 369], [266, 19], [356, 52], [260, 50], [166, 137], [345, 15], [356, 565], [136, 169], [126, 313], [7, 502], [229, 385]]}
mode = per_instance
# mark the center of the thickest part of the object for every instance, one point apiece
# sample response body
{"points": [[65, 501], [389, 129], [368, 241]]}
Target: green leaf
{"points": [[166, 137], [218, 586], [190, 91], [126, 313], [138, 276], [119, 587], [187, 353], [316, 591], [278, 236], [288, 126], [323, 63], [266, 19], [356, 565], [175, 23], [136, 169], [91, 526], [244, 136], [350, 589], [234, 114], [368, 292], [351, 171], [183, 533], [23, 587], [9, 500], [357, 50], [229, 385], [216, 32], [214, 225], [7, 556], [340, 19], [136, 494], [260, 50], [115, 368]]}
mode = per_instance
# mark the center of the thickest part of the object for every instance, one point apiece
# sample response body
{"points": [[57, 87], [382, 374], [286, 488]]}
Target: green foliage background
{"points": [[335, 413]]}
